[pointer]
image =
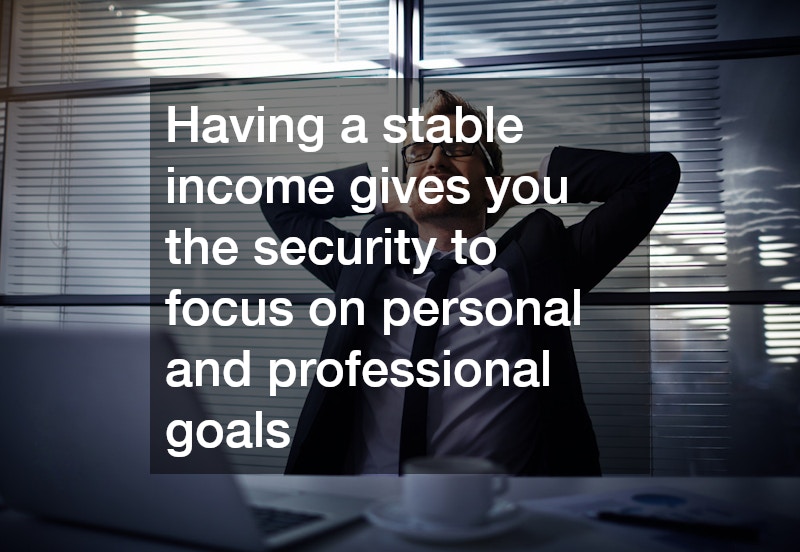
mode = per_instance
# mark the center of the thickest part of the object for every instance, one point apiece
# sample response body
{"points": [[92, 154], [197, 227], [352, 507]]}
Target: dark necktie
{"points": [[413, 431]]}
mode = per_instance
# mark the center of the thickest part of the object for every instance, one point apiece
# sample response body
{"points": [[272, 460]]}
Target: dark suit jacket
{"points": [[543, 258]]}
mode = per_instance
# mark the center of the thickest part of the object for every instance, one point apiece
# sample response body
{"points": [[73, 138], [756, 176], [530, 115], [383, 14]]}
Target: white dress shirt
{"points": [[487, 421]]}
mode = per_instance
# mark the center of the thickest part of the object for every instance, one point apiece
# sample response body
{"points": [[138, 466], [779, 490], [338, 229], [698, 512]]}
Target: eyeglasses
{"points": [[421, 151]]}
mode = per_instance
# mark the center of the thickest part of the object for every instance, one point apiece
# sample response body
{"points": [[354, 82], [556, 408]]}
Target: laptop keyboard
{"points": [[273, 520]]}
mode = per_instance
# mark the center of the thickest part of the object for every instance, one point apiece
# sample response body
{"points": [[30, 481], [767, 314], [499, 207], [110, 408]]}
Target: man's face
{"points": [[472, 167]]}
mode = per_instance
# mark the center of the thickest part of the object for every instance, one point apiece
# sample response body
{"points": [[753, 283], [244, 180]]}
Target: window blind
{"points": [[470, 28], [68, 40]]}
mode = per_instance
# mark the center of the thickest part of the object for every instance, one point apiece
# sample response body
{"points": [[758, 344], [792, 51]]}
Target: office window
{"points": [[469, 29], [719, 353], [67, 41]]}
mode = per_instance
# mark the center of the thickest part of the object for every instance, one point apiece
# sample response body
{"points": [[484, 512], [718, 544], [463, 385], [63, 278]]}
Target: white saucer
{"points": [[390, 515]]}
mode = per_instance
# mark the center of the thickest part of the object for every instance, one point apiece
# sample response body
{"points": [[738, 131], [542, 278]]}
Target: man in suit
{"points": [[533, 430]]}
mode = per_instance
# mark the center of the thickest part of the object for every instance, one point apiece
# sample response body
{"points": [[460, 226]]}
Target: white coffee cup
{"points": [[451, 490]]}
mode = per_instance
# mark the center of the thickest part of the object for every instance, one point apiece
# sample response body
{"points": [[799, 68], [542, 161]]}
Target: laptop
{"points": [[76, 447]]}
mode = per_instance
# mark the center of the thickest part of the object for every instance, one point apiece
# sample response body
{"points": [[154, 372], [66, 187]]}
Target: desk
{"points": [[779, 497]]}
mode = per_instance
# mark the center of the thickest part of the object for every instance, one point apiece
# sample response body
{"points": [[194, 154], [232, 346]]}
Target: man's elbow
{"points": [[665, 174], [671, 169], [668, 170]]}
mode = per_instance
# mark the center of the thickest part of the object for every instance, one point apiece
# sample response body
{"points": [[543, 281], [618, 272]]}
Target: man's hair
{"points": [[442, 102]]}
